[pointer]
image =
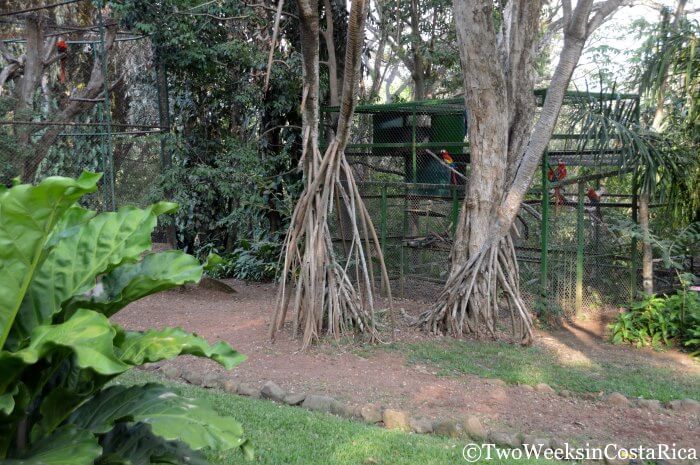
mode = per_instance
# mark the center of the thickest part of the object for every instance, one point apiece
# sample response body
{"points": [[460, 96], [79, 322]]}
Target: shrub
{"points": [[65, 271], [256, 260], [657, 320]]}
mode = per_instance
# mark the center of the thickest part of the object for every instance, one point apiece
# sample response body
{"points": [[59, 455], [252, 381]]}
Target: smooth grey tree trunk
{"points": [[505, 153]]}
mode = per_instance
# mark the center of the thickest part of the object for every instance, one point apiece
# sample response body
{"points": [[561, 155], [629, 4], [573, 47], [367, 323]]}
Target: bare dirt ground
{"points": [[383, 377]]}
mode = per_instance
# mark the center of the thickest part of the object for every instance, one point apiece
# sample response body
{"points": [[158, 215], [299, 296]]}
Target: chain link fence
{"points": [[117, 133], [411, 163]]}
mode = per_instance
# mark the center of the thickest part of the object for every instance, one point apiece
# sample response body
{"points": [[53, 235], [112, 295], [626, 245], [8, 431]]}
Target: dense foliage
{"points": [[666, 73], [66, 270], [659, 320], [252, 260], [234, 144]]}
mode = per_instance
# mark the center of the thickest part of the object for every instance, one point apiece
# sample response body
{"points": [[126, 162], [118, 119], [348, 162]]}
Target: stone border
{"points": [[468, 427], [620, 400], [615, 399]]}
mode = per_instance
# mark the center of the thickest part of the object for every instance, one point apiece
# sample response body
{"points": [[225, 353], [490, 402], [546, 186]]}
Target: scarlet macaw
{"points": [[558, 175], [62, 48], [449, 161], [594, 196]]}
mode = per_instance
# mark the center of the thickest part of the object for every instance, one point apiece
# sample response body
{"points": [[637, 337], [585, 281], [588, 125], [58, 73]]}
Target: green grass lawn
{"points": [[532, 365], [292, 435]]}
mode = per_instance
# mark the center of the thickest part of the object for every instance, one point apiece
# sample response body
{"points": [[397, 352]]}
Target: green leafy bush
{"points": [[657, 320], [256, 260], [65, 270]]}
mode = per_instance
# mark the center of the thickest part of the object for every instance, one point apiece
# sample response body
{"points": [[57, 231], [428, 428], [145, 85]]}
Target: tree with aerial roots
{"points": [[505, 151], [327, 298]]}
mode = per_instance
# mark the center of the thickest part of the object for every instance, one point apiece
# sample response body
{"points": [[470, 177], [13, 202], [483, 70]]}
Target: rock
{"points": [[690, 406], [421, 425], [192, 377], [496, 382], [151, 366], [535, 441], [170, 371], [230, 386], [371, 413], [248, 391], [648, 404], [272, 391], [544, 388], [557, 444], [210, 380], [684, 405], [566, 393], [221, 379], [317, 403], [617, 399], [673, 405], [215, 285], [341, 409], [498, 393], [396, 419], [449, 428], [504, 439], [638, 462], [473, 428], [614, 461], [294, 399]]}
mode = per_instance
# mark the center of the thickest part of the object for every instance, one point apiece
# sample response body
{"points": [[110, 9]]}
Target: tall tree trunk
{"points": [[645, 197], [418, 68], [309, 31], [496, 78], [647, 255], [327, 33], [326, 301]]}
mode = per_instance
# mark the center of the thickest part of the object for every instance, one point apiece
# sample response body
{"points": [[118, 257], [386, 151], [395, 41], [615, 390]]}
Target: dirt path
{"points": [[384, 377]]}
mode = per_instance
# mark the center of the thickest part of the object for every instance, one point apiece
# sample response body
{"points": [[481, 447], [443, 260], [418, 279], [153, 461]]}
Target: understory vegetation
{"points": [[658, 321], [66, 270], [535, 365], [256, 260]]}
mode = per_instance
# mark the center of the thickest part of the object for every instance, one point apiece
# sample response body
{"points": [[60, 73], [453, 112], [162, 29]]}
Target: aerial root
{"points": [[469, 302], [327, 300]]}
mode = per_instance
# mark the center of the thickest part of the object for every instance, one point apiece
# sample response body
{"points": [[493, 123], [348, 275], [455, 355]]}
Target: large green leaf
{"points": [[9, 421], [136, 348], [137, 445], [7, 401], [55, 408], [67, 446], [76, 259], [87, 334], [170, 416], [27, 216], [132, 281], [70, 223]]}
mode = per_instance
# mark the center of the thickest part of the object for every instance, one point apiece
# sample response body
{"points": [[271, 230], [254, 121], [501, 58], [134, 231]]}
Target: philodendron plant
{"points": [[64, 271]]}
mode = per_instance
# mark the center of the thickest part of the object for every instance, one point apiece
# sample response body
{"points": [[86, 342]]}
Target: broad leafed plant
{"points": [[64, 271]]}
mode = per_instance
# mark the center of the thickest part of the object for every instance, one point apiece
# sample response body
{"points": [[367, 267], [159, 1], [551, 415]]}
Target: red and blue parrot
{"points": [[449, 161], [557, 175]]}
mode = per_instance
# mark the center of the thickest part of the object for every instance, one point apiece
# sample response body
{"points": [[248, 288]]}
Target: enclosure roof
{"points": [[456, 104]]}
